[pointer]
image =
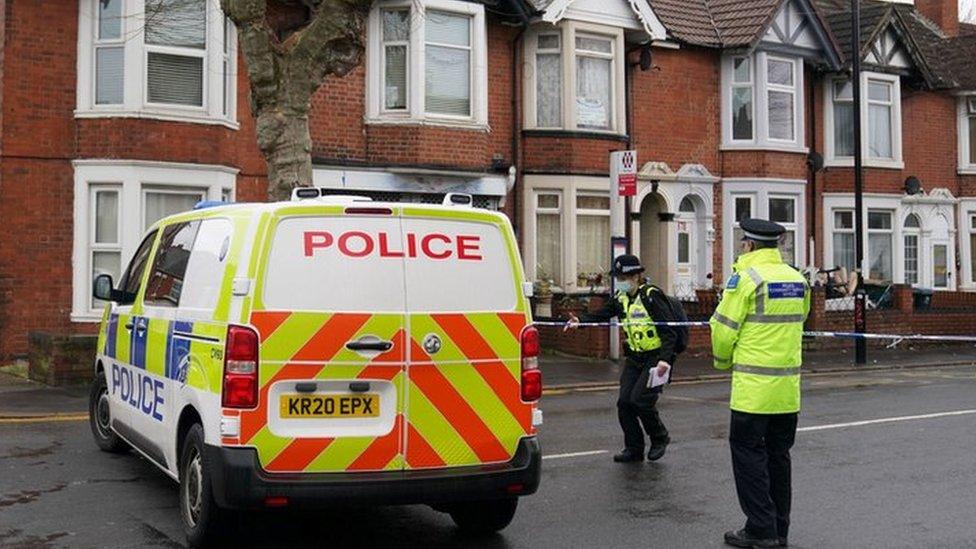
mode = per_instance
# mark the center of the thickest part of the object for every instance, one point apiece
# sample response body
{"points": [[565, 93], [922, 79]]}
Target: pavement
{"points": [[884, 459]]}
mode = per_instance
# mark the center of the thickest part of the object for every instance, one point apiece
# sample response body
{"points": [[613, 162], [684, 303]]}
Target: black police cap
{"points": [[762, 230], [627, 265]]}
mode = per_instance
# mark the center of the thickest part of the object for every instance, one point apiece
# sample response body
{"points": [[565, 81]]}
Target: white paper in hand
{"points": [[658, 380]]}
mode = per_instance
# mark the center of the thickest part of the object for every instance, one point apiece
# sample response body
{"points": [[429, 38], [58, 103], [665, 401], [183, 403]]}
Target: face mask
{"points": [[625, 286]]}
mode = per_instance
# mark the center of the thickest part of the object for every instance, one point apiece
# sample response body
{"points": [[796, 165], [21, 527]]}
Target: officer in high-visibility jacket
{"points": [[648, 347], [757, 332]]}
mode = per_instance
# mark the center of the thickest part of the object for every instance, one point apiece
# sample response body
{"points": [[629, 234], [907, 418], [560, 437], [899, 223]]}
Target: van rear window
{"points": [[385, 264]]}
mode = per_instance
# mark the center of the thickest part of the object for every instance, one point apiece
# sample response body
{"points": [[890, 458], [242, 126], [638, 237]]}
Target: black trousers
{"points": [[637, 405], [761, 463]]}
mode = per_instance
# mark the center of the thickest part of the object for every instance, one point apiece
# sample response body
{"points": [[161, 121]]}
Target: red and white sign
{"points": [[623, 172]]}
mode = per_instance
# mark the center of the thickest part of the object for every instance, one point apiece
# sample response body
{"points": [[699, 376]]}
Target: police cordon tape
{"points": [[841, 335]]}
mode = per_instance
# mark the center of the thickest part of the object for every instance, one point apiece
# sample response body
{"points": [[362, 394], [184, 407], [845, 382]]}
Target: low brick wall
{"points": [[60, 360]]}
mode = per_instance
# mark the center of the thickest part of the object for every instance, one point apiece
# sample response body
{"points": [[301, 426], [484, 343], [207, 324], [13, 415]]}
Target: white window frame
{"points": [[590, 212], [791, 227], [892, 238], [830, 157], [135, 102], [761, 190], [416, 112], [967, 231], [833, 230], [966, 116], [568, 30], [915, 232], [761, 88], [557, 211], [132, 179]]}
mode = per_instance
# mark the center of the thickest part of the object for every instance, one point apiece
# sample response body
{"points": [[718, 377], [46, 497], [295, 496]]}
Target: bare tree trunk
{"points": [[285, 73]]}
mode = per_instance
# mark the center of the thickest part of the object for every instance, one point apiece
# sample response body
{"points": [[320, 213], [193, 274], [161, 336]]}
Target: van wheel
{"points": [[203, 520], [100, 418], [484, 517]]}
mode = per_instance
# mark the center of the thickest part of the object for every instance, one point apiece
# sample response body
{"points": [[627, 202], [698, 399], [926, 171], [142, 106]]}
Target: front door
{"points": [[687, 250]]}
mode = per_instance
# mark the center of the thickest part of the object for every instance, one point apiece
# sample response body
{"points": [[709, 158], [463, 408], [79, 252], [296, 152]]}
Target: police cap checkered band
{"points": [[626, 265], [762, 230]]}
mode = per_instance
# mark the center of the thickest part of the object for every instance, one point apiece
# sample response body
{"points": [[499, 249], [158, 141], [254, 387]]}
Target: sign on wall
{"points": [[623, 172]]}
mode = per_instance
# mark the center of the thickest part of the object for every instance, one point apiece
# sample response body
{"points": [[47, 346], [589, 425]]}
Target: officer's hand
{"points": [[662, 368], [572, 323]]}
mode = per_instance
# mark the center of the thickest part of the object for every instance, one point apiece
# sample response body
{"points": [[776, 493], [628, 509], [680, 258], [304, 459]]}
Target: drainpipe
{"points": [[812, 172], [518, 188]]}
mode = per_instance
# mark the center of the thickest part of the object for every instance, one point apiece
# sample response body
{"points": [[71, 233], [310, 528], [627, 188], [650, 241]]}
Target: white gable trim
{"points": [[888, 51], [644, 17]]}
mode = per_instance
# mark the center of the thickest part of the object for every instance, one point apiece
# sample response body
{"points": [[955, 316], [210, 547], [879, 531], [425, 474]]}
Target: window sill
{"points": [[849, 163], [433, 122], [86, 317], [158, 115], [764, 147], [576, 134], [966, 170]]}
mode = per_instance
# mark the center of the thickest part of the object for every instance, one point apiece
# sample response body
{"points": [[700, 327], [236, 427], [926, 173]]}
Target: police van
{"points": [[323, 351]]}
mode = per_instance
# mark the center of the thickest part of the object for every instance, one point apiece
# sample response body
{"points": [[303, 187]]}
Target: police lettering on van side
{"points": [[139, 391], [358, 244]]}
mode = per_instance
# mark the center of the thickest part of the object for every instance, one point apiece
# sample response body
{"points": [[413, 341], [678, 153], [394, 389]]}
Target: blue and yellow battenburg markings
{"points": [[179, 349]]}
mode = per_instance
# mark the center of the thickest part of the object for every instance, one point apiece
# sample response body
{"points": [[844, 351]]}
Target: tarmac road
{"points": [[907, 480]]}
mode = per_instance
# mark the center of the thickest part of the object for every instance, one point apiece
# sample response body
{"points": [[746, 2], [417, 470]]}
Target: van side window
{"points": [[169, 266], [208, 261], [129, 285]]}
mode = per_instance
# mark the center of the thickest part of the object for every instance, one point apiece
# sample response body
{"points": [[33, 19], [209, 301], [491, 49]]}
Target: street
{"points": [[906, 481]]}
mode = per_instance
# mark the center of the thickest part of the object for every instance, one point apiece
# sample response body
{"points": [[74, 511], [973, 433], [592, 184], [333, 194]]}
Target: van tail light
{"points": [[241, 368], [531, 374]]}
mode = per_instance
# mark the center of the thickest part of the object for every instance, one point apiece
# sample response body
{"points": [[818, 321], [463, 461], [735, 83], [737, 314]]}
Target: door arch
{"points": [[655, 240]]}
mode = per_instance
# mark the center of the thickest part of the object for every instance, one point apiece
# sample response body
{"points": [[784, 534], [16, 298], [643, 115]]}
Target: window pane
{"points": [[107, 218], [593, 92], [940, 253], [548, 42], [109, 76], [396, 77], [175, 79], [911, 259], [133, 274], [549, 88], [780, 72], [205, 270], [912, 221], [396, 25], [742, 70], [109, 19], [843, 91], [972, 255], [879, 138], [169, 266], [159, 205], [448, 28], [683, 245], [781, 210], [781, 115], [448, 81], [972, 140], [879, 91], [592, 244], [743, 208], [687, 205], [548, 248], [879, 256], [844, 250], [879, 220], [105, 263], [588, 202], [180, 23], [548, 201], [742, 113], [787, 248], [843, 220], [599, 45], [843, 129]]}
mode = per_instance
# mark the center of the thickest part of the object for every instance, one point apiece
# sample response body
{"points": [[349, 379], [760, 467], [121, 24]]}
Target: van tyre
{"points": [[100, 417], [203, 521], [484, 517]]}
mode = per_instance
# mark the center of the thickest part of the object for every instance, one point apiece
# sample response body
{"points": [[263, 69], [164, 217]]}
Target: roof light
{"points": [[204, 204]]}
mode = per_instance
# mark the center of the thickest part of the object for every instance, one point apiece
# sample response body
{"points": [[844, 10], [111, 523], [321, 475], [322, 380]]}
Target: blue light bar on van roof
{"points": [[204, 204]]}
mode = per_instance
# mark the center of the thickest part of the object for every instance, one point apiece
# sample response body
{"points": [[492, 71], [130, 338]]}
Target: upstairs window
{"points": [[762, 102], [967, 134], [427, 61], [170, 59], [880, 121]]}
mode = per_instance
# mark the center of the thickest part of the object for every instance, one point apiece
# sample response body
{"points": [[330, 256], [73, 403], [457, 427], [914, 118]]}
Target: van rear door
{"points": [[465, 313], [329, 308]]}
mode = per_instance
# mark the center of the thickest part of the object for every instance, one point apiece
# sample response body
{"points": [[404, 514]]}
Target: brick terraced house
{"points": [[111, 119]]}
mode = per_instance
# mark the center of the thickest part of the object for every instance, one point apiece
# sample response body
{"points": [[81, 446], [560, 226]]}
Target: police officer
{"points": [[757, 331], [637, 304]]}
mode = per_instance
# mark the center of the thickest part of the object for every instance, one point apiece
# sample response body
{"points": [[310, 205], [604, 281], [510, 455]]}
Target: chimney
{"points": [[944, 13]]}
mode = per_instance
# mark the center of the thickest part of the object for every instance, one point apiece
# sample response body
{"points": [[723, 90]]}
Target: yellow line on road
{"points": [[45, 419]]}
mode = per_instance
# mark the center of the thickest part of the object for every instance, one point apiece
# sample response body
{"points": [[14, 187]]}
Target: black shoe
{"points": [[783, 542], [657, 451], [745, 539], [629, 455]]}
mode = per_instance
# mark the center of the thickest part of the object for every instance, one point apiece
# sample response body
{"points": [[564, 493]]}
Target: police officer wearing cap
{"points": [[637, 304], [757, 331]]}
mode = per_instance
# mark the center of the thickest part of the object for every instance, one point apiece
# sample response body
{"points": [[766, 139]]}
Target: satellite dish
{"points": [[913, 186], [815, 161]]}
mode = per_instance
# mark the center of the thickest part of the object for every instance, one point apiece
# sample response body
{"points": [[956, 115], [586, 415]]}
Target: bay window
{"points": [[782, 210], [972, 247], [427, 62], [781, 201], [592, 236], [843, 240], [880, 121], [549, 234], [743, 209], [762, 102], [574, 78], [168, 59]]}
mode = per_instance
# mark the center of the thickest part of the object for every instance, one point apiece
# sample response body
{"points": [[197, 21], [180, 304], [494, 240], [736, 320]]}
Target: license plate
{"points": [[329, 406]]}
